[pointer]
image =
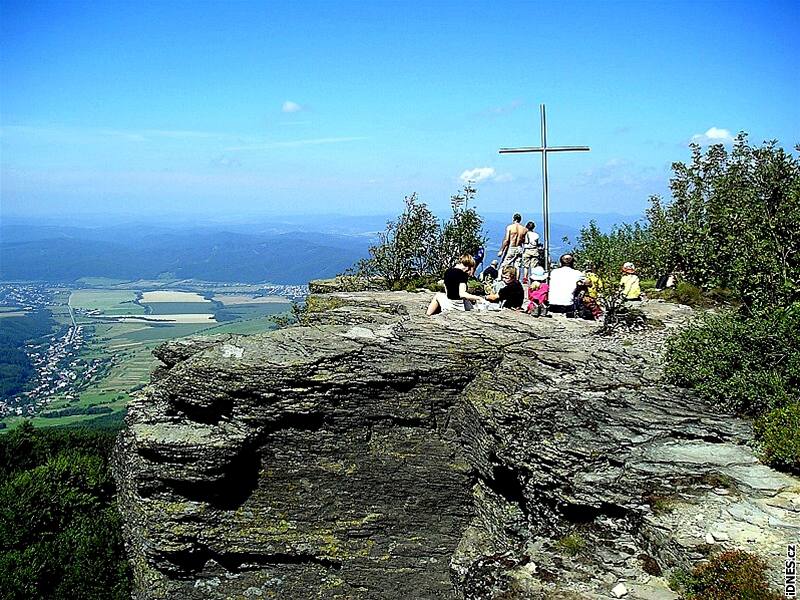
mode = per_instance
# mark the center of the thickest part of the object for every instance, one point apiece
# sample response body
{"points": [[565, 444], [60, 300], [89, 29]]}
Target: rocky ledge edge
{"points": [[372, 452]]}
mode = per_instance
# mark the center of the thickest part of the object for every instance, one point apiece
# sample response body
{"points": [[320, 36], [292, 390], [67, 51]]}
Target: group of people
{"points": [[521, 283]]}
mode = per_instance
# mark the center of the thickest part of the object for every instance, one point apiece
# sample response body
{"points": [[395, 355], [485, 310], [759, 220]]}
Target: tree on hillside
{"points": [[416, 244]]}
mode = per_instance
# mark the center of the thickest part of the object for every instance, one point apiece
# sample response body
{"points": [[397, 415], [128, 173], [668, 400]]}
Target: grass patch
{"points": [[248, 327], [179, 308], [572, 544], [317, 304]]}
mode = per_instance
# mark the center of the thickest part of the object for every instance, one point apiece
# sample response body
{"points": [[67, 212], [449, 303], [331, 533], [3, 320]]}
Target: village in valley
{"points": [[87, 348]]}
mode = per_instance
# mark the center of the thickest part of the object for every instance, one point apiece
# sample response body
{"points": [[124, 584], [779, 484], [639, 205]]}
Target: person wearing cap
{"points": [[490, 272], [537, 293], [629, 283]]}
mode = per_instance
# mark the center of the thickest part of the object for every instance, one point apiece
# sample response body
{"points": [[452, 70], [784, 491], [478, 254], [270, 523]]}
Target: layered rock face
{"points": [[372, 452]]}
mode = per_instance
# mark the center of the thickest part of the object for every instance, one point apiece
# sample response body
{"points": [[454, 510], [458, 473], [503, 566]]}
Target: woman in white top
{"points": [[530, 252]]}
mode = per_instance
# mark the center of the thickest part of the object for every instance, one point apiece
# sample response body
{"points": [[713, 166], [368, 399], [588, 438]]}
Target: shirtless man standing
{"points": [[512, 242]]}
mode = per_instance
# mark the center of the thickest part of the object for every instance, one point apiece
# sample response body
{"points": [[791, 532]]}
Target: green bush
{"points": [[744, 365], [732, 574], [59, 529], [412, 284], [778, 434], [572, 544], [416, 245], [608, 251], [730, 225], [475, 287]]}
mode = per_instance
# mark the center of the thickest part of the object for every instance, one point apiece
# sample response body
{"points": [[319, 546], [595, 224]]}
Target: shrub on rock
{"points": [[778, 433], [732, 574]]}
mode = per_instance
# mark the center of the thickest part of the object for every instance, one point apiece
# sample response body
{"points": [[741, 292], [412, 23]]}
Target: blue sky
{"points": [[159, 108]]}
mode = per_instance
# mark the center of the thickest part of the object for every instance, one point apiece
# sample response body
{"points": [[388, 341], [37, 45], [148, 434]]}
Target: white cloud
{"points": [[714, 135], [476, 175], [485, 174], [291, 107]]}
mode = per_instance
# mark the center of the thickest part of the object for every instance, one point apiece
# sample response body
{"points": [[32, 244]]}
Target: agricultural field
{"points": [[106, 302], [169, 296], [178, 308], [116, 336]]}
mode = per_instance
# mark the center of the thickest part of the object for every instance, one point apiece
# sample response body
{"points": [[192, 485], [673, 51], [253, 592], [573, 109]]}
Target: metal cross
{"points": [[545, 149]]}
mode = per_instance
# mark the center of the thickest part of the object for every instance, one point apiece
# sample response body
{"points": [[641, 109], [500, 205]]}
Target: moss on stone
{"points": [[319, 304], [572, 544]]}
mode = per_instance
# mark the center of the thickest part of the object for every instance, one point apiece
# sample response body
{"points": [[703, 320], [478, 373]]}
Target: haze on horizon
{"points": [[233, 110]]}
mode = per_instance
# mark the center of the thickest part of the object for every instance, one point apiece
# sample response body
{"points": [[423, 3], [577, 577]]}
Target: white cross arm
{"points": [[547, 149]]}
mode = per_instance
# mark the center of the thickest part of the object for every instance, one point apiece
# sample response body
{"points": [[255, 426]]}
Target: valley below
{"points": [[73, 353]]}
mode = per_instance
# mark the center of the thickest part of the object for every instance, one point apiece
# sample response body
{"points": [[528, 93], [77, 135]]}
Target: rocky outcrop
{"points": [[372, 452]]}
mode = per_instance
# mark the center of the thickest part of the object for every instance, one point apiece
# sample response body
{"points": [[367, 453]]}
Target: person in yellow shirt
{"points": [[596, 284], [629, 283]]}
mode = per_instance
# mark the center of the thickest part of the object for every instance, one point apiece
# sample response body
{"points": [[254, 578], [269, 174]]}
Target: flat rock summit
{"points": [[371, 452]]}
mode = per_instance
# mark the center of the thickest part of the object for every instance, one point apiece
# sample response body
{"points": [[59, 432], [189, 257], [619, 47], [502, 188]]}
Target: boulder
{"points": [[373, 452]]}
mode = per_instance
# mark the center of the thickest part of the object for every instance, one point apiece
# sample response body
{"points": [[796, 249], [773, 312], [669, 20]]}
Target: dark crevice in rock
{"points": [[228, 492], [193, 560], [506, 484], [395, 421], [188, 561], [582, 513], [702, 436], [298, 421], [401, 386], [211, 414], [239, 562]]}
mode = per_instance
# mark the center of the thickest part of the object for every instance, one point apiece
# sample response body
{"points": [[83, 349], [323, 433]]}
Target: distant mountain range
{"points": [[287, 250]]}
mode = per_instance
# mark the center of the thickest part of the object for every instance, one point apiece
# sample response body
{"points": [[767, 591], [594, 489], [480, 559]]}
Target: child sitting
{"points": [[629, 283], [537, 293]]}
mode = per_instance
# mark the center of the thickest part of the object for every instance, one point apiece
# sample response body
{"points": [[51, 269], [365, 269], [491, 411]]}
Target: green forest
{"points": [[60, 532], [15, 367]]}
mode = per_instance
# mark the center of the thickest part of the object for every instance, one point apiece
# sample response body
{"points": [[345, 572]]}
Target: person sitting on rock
{"points": [[667, 281], [563, 283], [490, 272], [537, 293], [629, 283], [455, 296], [595, 283], [511, 294]]}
